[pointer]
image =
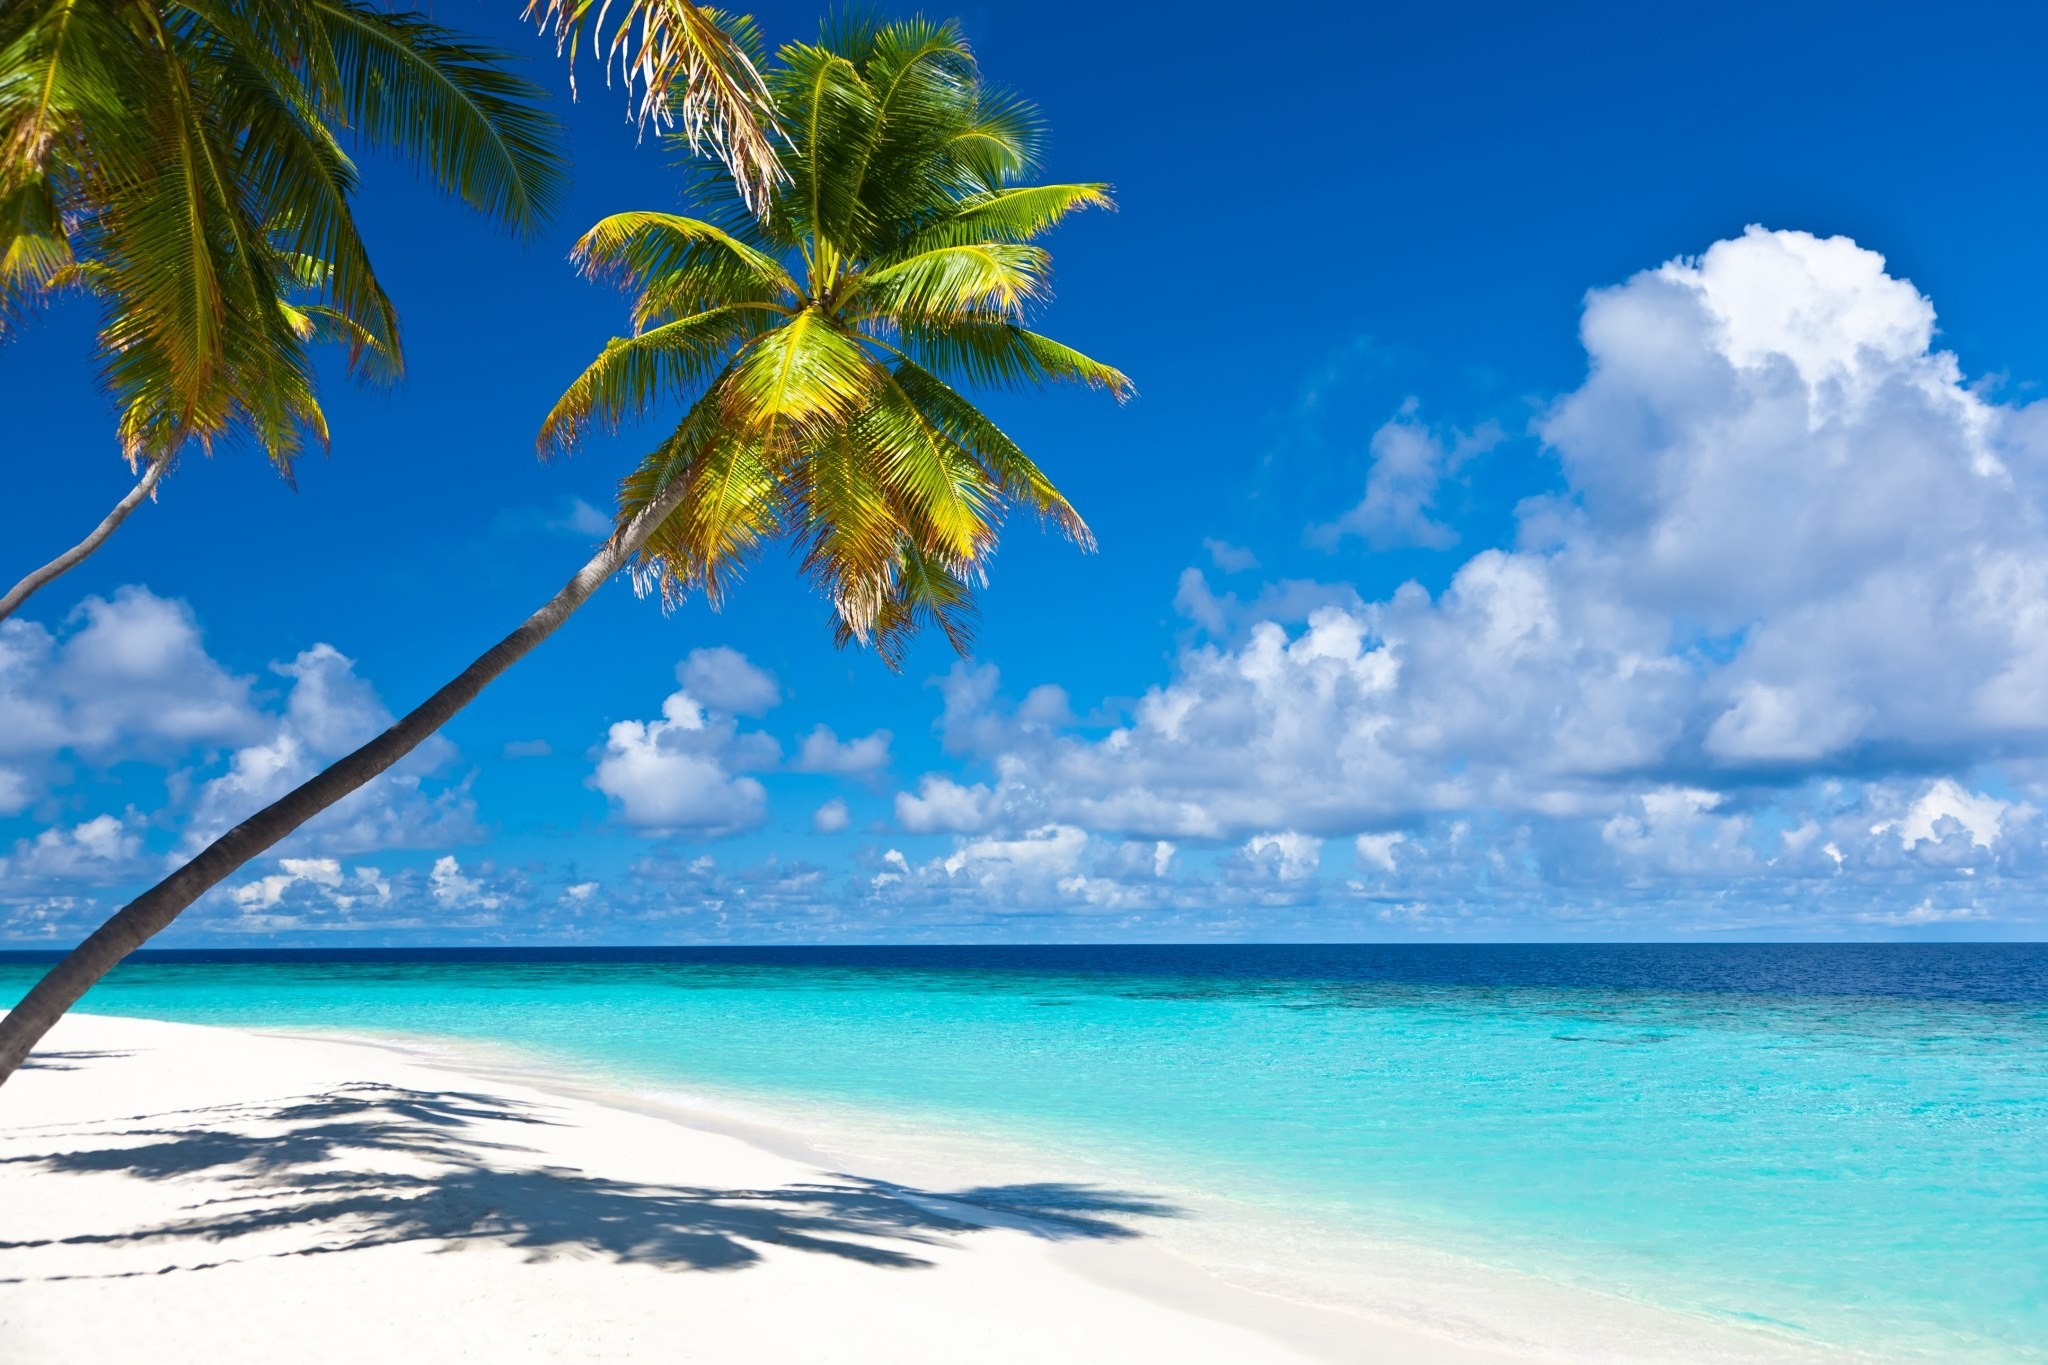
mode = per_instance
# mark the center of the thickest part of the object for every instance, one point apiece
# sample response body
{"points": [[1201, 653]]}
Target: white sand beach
{"points": [[175, 1193], [171, 1193]]}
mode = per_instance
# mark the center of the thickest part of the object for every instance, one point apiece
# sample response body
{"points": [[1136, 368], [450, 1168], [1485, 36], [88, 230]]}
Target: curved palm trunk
{"points": [[74, 556], [155, 908]]}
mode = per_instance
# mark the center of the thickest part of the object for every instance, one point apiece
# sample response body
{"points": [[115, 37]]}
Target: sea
{"points": [[1828, 1146]]}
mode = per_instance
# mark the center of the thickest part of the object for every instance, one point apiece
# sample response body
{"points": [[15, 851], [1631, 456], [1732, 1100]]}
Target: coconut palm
{"points": [[818, 347], [181, 161]]}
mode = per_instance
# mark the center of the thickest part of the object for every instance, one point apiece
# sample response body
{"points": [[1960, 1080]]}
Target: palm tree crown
{"points": [[181, 160], [820, 341]]}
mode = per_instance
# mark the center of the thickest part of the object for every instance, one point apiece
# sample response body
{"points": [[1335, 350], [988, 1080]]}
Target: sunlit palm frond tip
{"points": [[686, 64]]}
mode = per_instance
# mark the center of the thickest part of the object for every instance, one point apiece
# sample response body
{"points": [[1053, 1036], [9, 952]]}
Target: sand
{"points": [[172, 1193]]}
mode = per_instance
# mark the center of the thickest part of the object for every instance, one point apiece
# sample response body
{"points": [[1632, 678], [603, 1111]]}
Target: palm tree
{"points": [[818, 345], [180, 160]]}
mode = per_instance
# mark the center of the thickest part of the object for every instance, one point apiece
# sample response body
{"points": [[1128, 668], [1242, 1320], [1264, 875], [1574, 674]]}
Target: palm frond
{"points": [[804, 377], [1003, 354], [1017, 214], [733, 506], [1006, 464], [922, 591], [450, 106], [317, 322], [942, 496], [830, 109], [35, 250], [679, 265], [633, 373], [948, 283], [687, 64], [845, 525]]}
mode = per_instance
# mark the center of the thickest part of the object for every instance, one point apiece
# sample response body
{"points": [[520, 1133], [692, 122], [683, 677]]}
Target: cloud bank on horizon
{"points": [[1772, 658]]}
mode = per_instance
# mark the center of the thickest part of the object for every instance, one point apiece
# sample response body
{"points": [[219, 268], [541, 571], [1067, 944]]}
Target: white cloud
{"points": [[125, 677], [265, 892], [1227, 557], [102, 849], [1049, 869], [831, 817], [580, 518], [1978, 814], [685, 773], [314, 889], [527, 748], [1288, 855], [1409, 462], [1926, 912], [942, 805], [453, 890], [1051, 852], [1377, 850], [824, 752], [330, 711], [723, 680], [1792, 542]]}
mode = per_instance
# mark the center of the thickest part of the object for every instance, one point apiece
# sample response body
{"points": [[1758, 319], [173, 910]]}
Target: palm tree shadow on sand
{"points": [[286, 1167]]}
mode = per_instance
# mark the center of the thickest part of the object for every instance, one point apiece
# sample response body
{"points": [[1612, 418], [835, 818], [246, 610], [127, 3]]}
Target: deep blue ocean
{"points": [[1840, 1144]]}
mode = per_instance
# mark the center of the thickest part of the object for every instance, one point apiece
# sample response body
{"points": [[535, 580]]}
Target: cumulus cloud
{"points": [[1046, 871], [1227, 557], [724, 680], [824, 752], [1978, 814], [452, 890], [1409, 461], [320, 898], [831, 817], [127, 678], [1793, 546], [942, 805], [1287, 855], [103, 849], [329, 711], [686, 773], [1377, 850], [343, 891], [121, 677]]}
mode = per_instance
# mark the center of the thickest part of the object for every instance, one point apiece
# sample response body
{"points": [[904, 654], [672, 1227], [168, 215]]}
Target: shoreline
{"points": [[1065, 1252], [1442, 1297]]}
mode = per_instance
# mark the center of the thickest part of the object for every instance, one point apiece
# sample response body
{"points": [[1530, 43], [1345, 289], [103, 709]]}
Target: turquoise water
{"points": [[1849, 1149]]}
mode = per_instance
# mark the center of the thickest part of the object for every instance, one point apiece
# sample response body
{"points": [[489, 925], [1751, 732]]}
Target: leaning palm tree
{"points": [[181, 161], [818, 346]]}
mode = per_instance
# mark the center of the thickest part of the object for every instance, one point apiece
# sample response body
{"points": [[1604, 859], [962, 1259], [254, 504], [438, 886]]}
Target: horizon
{"points": [[1423, 613]]}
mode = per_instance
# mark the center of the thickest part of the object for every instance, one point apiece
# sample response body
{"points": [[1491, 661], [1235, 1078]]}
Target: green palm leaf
{"points": [[449, 106], [633, 373], [957, 283]]}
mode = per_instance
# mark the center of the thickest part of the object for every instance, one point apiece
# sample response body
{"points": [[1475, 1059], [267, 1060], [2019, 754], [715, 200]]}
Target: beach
{"points": [[1262, 1154], [178, 1193]]}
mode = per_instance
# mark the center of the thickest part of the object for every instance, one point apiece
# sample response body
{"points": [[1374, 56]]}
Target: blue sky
{"points": [[1467, 570]]}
